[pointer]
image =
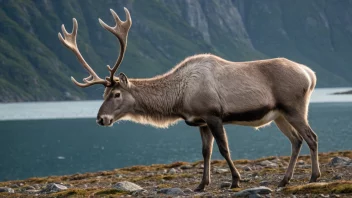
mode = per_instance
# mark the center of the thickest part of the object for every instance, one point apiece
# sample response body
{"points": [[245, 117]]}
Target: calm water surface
{"points": [[31, 148]]}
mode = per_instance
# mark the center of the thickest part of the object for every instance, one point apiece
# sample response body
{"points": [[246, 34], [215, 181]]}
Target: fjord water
{"points": [[32, 148]]}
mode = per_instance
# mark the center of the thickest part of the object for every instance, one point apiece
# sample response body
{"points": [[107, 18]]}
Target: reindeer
{"points": [[207, 91]]}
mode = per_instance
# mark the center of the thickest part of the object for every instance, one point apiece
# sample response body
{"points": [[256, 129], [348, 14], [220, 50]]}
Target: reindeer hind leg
{"points": [[296, 144], [207, 148], [300, 123]]}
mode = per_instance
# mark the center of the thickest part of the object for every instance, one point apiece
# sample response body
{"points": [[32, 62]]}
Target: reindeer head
{"points": [[117, 99]]}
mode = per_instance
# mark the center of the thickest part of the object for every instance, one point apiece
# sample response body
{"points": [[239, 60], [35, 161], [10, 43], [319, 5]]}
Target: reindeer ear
{"points": [[124, 82]]}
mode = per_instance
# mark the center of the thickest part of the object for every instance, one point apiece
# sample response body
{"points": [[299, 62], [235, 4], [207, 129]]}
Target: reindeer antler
{"points": [[70, 42], [120, 30]]}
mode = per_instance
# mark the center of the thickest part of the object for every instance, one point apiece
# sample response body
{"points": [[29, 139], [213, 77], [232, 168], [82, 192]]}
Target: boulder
{"points": [[247, 168], [127, 186], [52, 187], [171, 191], [253, 192], [268, 163], [340, 161], [188, 190], [300, 162], [6, 189], [222, 170], [172, 171], [337, 177]]}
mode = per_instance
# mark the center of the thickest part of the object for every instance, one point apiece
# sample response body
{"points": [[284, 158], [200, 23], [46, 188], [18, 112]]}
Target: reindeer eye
{"points": [[117, 95]]}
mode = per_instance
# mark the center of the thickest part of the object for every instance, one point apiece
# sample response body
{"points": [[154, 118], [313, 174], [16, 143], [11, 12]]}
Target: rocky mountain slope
{"points": [[35, 66]]}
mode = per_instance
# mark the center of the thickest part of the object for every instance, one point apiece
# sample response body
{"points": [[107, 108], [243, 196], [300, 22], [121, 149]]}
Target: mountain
{"points": [[35, 66]]}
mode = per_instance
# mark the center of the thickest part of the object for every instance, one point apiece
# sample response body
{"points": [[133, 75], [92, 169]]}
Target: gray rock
{"points": [[225, 185], [324, 196], [14, 185], [264, 183], [202, 194], [33, 191], [300, 162], [254, 196], [336, 177], [37, 186], [222, 170], [119, 176], [247, 168], [140, 192], [172, 171], [127, 186], [52, 187], [253, 191], [268, 163], [304, 166], [188, 190], [245, 180], [6, 189], [171, 191], [340, 161], [276, 160]]}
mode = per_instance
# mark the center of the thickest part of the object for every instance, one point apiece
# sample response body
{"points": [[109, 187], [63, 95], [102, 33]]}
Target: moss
{"points": [[218, 162], [70, 193], [160, 177], [175, 164], [318, 188], [10, 195], [111, 192], [242, 161], [136, 168], [265, 171], [236, 189], [164, 186]]}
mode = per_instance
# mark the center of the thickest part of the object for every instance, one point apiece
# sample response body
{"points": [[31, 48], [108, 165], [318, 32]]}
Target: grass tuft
{"points": [[318, 188], [111, 192], [70, 193]]}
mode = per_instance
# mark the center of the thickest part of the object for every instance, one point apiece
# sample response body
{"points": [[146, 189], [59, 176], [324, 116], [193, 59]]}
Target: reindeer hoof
{"points": [[199, 189], [283, 183], [313, 179], [235, 185]]}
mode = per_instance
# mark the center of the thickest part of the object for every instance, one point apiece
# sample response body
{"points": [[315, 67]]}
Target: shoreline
{"points": [[157, 180]]}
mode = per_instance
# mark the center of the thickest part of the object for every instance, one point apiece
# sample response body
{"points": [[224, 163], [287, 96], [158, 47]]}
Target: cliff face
{"points": [[35, 66]]}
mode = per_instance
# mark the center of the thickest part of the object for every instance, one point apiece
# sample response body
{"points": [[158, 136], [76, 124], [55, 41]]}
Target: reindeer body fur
{"points": [[251, 92]]}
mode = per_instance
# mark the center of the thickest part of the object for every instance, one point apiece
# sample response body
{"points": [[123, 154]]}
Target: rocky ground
{"points": [[260, 178]]}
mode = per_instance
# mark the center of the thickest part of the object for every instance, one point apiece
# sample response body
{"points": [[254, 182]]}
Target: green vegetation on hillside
{"points": [[36, 66]]}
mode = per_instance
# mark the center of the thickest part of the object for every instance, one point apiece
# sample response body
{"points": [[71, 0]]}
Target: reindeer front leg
{"points": [[219, 133], [207, 148]]}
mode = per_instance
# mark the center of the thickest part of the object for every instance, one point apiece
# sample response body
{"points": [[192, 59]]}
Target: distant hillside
{"points": [[35, 66]]}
